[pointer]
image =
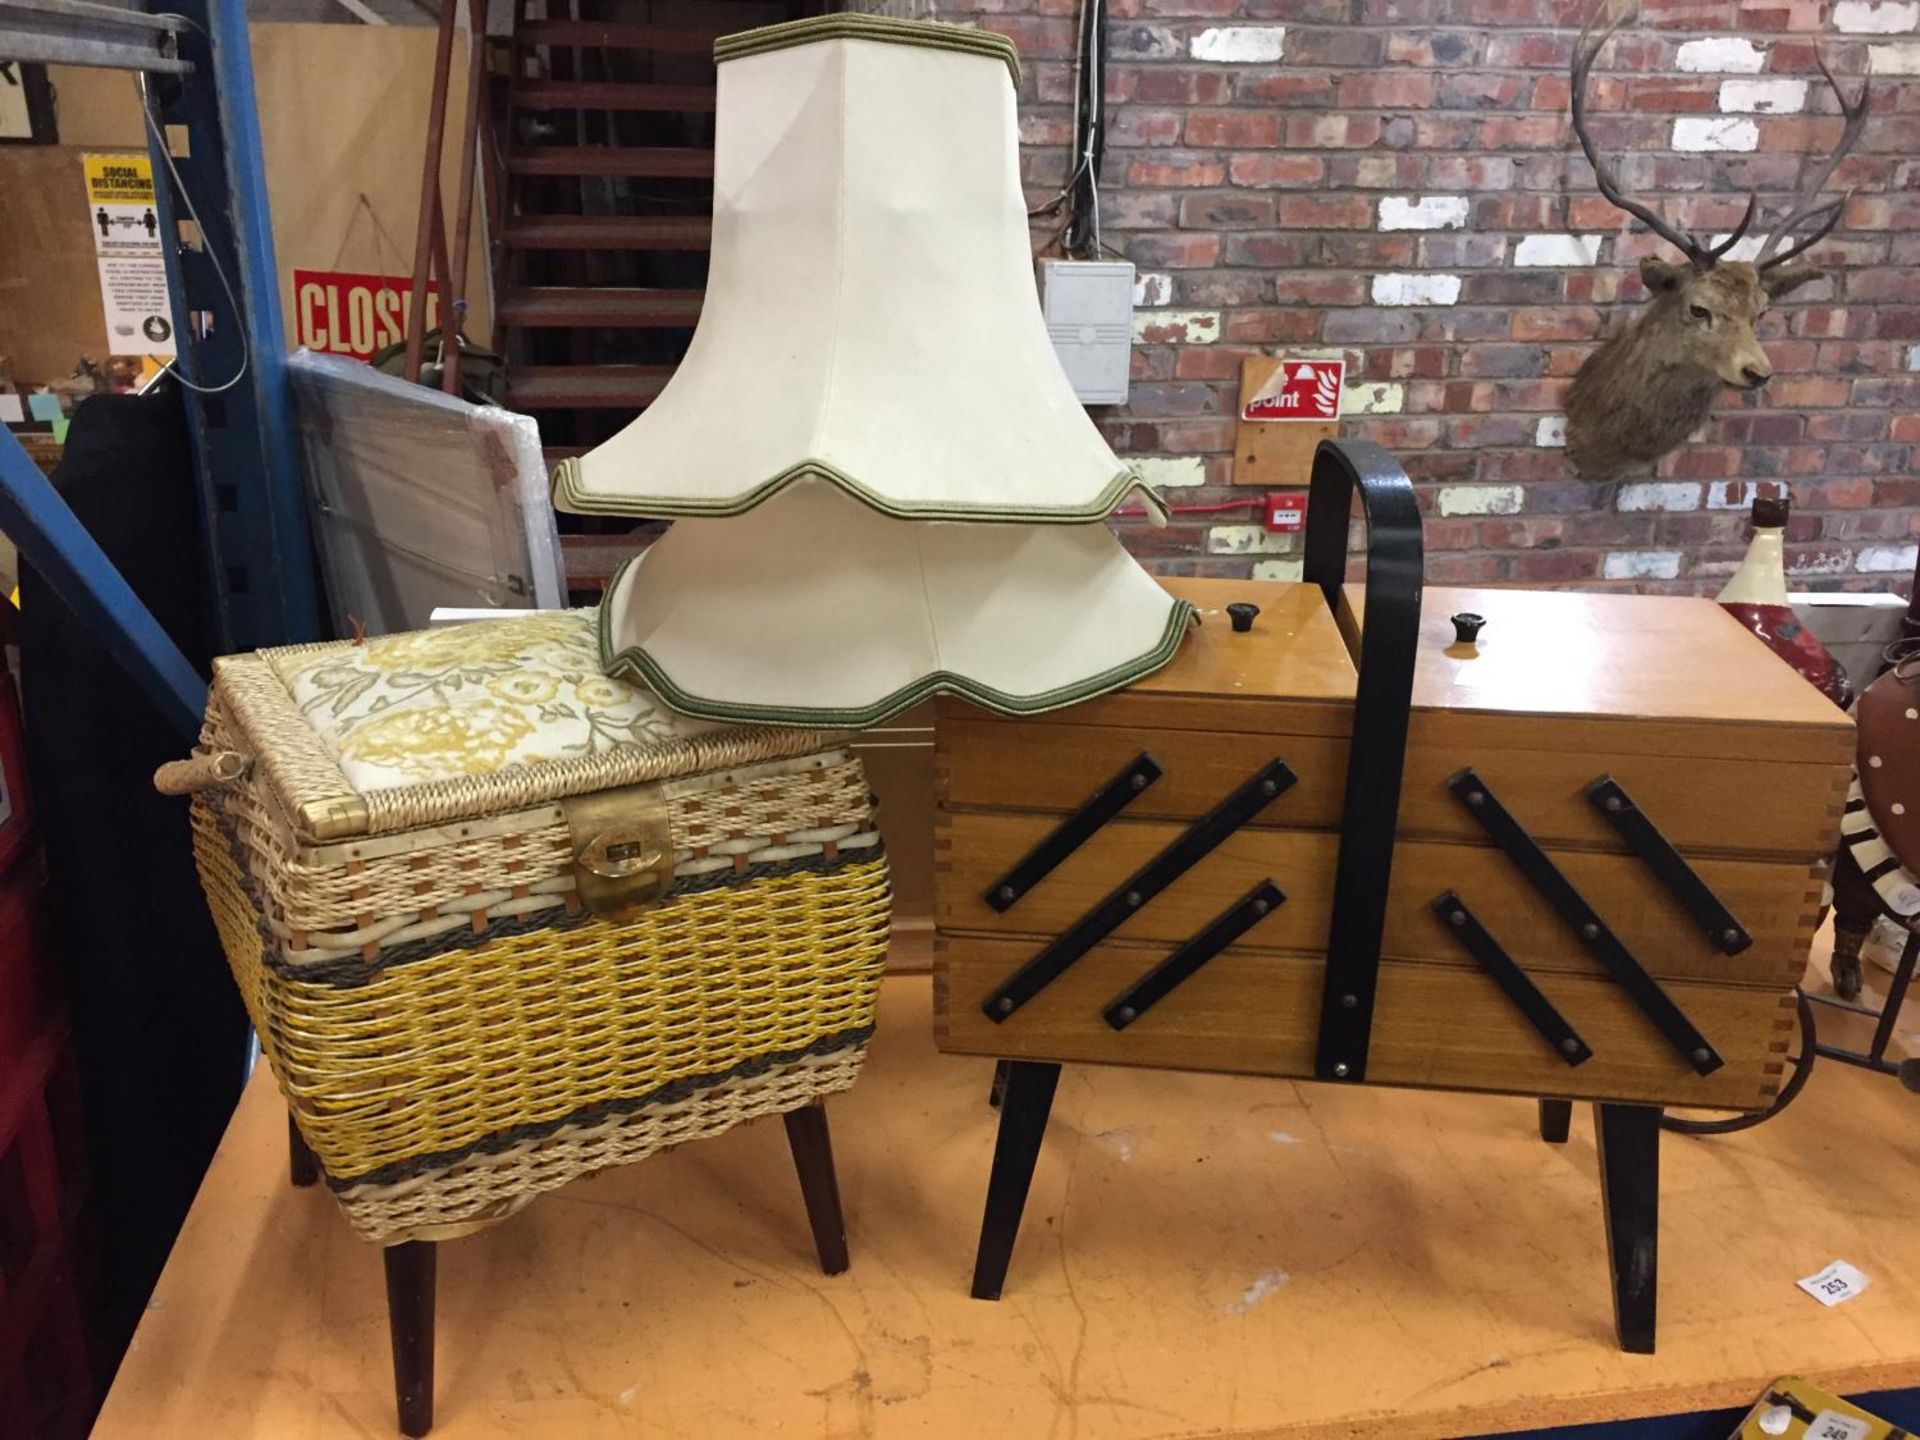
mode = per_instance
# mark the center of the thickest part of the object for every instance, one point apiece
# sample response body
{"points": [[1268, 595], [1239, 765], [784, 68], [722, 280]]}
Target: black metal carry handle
{"points": [[1377, 751]]}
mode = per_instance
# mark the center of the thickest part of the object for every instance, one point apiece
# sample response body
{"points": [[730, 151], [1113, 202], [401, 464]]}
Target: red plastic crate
{"points": [[16, 810], [47, 1388], [27, 997]]}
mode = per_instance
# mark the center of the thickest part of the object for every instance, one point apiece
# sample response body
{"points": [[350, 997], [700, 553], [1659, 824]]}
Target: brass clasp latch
{"points": [[622, 848]]}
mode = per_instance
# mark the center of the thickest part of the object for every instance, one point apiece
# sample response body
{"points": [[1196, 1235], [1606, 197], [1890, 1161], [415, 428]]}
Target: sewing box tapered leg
{"points": [[1628, 1139], [1025, 1103], [1556, 1120], [812, 1147]]}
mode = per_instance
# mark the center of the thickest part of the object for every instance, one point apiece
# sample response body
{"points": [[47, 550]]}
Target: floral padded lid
{"points": [[470, 700]]}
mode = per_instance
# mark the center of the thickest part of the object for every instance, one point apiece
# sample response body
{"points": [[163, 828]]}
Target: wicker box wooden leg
{"points": [[412, 1265], [819, 1186], [302, 1166]]}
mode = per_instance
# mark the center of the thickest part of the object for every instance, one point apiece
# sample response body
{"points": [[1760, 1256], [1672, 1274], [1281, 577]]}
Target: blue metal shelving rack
{"points": [[197, 70]]}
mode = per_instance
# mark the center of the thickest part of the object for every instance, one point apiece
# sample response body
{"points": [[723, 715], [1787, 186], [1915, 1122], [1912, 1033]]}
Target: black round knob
{"points": [[1466, 627], [1241, 612]]}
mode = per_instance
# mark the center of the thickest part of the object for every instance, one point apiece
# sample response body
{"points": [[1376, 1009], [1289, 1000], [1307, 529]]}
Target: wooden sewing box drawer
{"points": [[1585, 722]]}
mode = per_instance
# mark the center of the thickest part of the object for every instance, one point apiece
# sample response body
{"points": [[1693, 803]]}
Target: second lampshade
{"points": [[883, 482]]}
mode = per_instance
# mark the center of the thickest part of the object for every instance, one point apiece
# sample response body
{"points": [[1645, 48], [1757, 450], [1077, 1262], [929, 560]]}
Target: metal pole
{"points": [[453, 305], [440, 269], [423, 243], [252, 494]]}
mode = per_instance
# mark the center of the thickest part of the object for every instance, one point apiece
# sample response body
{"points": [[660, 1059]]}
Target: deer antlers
{"points": [[1593, 38], [1805, 206], [1587, 50]]}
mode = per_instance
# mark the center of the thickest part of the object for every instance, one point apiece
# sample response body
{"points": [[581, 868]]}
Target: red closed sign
{"points": [[1299, 390], [340, 312]]}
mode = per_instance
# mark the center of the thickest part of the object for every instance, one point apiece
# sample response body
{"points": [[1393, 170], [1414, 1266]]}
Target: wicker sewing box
{"points": [[501, 921]]}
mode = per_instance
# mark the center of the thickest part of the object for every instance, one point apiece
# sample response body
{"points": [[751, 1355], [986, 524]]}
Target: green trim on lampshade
{"points": [[928, 34], [570, 494], [635, 664]]}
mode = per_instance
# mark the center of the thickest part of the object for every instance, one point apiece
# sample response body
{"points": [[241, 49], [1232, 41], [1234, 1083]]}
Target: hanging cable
{"points": [[233, 302], [1060, 198], [1082, 236], [1079, 235]]}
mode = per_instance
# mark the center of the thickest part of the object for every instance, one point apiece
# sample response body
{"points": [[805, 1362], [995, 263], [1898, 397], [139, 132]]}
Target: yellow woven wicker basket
{"points": [[501, 921]]}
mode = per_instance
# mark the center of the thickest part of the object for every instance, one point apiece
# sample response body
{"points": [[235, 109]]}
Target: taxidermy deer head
{"points": [[1651, 384]]}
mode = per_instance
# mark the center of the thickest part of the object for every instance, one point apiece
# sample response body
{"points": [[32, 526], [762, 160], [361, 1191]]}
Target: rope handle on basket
{"points": [[206, 768]]}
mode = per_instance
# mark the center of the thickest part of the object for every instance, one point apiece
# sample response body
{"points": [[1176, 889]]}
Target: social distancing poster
{"points": [[126, 244]]}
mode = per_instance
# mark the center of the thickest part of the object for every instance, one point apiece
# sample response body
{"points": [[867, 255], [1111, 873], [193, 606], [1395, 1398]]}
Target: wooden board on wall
{"points": [[343, 114], [50, 313], [1276, 454]]}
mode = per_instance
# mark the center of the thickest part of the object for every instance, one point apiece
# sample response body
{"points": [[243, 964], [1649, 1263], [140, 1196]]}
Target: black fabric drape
{"points": [[158, 1031]]}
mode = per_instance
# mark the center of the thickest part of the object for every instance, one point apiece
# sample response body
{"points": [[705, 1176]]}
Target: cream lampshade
{"points": [[816, 609], [870, 358]]}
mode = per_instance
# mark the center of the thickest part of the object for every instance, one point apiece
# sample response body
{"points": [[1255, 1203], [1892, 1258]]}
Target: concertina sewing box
{"points": [[501, 920], [1549, 844], [1752, 807], [1618, 789]]}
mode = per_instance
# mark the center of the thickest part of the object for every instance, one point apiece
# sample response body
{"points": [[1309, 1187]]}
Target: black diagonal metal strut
{"points": [[1073, 832], [1584, 920], [1159, 982], [1507, 974], [1668, 865], [1199, 839]]}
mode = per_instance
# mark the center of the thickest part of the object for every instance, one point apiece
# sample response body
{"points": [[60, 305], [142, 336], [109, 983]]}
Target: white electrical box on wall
{"points": [[1089, 310]]}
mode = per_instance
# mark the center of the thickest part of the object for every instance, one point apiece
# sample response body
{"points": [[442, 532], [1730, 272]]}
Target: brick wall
{"points": [[1396, 180]]}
